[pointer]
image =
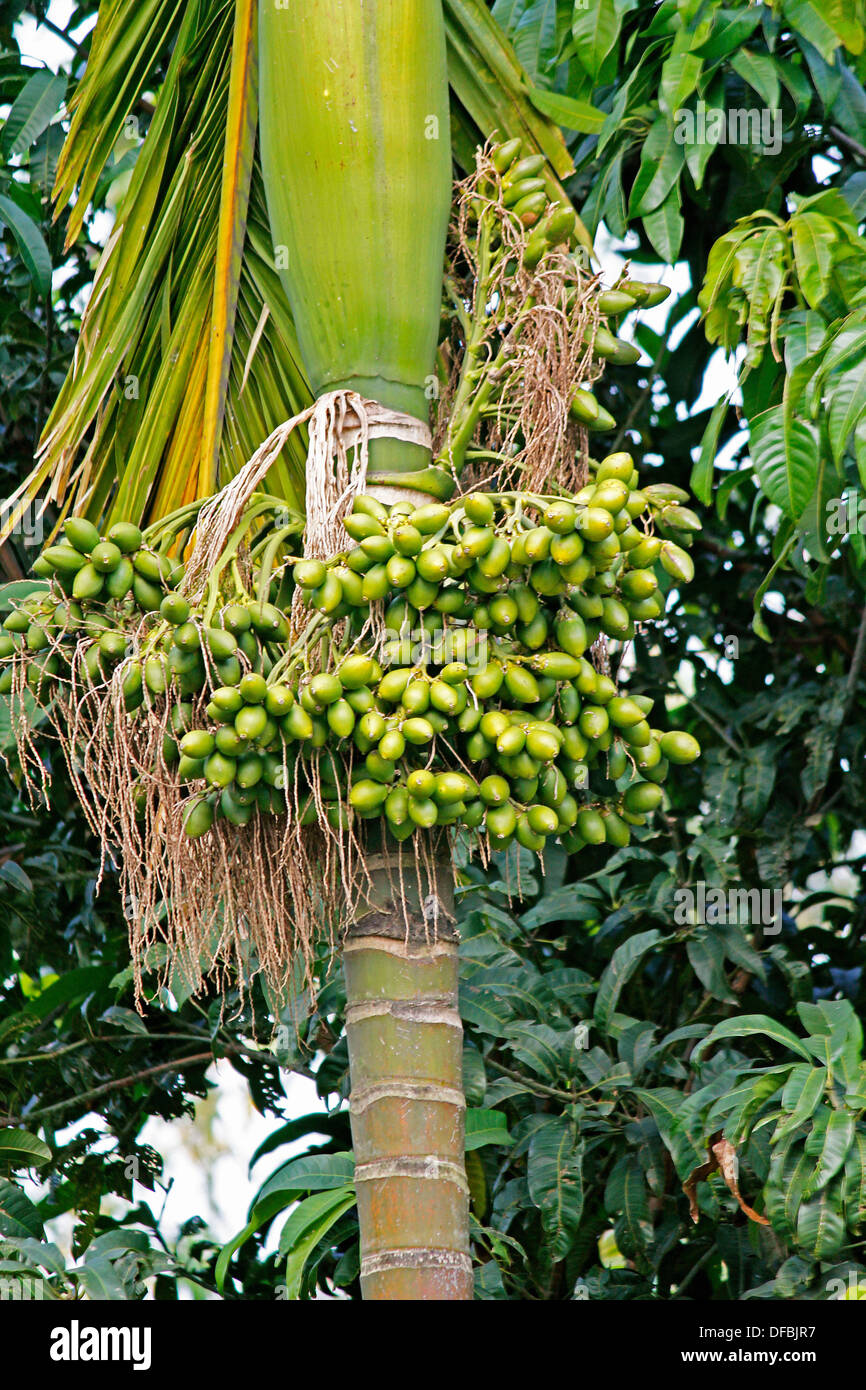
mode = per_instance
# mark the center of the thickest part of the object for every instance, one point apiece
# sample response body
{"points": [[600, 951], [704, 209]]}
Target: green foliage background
{"points": [[607, 1042]]}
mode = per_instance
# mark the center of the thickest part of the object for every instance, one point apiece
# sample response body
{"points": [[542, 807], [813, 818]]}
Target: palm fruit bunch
{"points": [[110, 609], [519, 262], [90, 583], [480, 707], [626, 295], [439, 674]]}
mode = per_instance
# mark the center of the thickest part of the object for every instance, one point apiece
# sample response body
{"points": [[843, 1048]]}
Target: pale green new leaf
{"points": [[846, 396], [813, 238]]}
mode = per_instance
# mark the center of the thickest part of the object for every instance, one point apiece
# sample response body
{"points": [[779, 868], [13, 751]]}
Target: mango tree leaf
{"points": [[554, 1174], [30, 242], [484, 1009], [816, 523], [486, 1127], [740, 1106], [786, 539], [100, 1280], [836, 1141], [784, 1186], [820, 1226], [595, 31], [665, 226], [539, 1047], [568, 904], [263, 1211], [626, 1195], [306, 1226], [847, 402], [786, 461], [567, 111], [760, 72], [329, 1126], [807, 19], [759, 778], [623, 963], [42, 1253], [310, 1173], [730, 31], [701, 481], [751, 1025], [760, 271], [853, 190], [32, 111], [832, 1018], [707, 958], [14, 875], [18, 1215], [679, 78], [19, 1149], [855, 1180], [796, 82], [660, 166], [664, 1104], [813, 239], [846, 21]]}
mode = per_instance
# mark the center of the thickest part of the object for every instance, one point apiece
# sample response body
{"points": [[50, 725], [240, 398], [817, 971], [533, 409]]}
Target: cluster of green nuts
{"points": [[440, 675], [90, 582], [481, 708], [517, 180]]}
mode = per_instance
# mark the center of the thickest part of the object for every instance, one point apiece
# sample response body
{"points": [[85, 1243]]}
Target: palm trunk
{"points": [[407, 1105]]}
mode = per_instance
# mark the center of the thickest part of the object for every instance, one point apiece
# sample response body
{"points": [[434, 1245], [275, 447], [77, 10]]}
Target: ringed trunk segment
{"points": [[356, 155], [407, 1104]]}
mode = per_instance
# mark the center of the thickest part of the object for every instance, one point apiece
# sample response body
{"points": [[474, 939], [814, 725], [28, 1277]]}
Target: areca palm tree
{"points": [[282, 235]]}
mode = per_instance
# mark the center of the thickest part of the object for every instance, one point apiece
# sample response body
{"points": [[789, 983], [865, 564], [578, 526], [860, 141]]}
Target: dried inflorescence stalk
{"points": [[532, 335]]}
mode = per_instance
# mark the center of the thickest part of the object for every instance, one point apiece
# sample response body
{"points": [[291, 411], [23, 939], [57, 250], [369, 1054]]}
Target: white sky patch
{"points": [[41, 45]]}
